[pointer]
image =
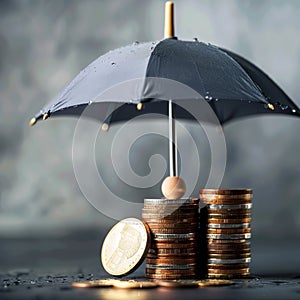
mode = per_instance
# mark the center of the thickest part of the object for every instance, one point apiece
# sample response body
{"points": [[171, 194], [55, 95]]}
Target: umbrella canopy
{"points": [[225, 80]]}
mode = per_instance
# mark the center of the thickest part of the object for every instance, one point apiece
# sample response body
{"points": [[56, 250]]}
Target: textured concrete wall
{"points": [[44, 44]]}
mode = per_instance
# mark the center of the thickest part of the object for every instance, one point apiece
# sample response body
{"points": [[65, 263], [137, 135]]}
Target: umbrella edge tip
{"points": [[32, 122]]}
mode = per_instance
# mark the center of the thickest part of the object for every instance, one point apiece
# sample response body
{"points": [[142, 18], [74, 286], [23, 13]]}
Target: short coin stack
{"points": [[225, 223], [173, 250]]}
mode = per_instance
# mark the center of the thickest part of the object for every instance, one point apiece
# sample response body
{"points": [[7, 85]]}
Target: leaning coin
{"points": [[177, 283], [132, 284], [125, 247], [213, 282], [94, 283]]}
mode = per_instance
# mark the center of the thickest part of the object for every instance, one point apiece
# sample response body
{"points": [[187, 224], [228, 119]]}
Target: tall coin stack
{"points": [[173, 249], [225, 226]]}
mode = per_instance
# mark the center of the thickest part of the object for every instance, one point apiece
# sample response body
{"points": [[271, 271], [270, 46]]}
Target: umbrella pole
{"points": [[172, 142], [173, 187]]}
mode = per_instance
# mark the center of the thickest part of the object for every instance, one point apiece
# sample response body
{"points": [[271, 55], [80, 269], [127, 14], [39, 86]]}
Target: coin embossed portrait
{"points": [[125, 247]]}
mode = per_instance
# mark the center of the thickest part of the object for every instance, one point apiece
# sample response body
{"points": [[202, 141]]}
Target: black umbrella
{"points": [[232, 86]]}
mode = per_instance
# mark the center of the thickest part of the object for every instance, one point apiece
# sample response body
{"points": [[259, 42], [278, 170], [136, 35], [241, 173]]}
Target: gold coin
{"points": [[226, 192], [228, 266], [173, 230], [125, 247], [228, 231], [243, 271], [166, 260], [132, 284], [94, 283], [157, 226], [171, 252], [213, 282], [221, 276], [177, 283], [229, 256], [228, 220], [175, 245], [164, 272], [171, 276], [226, 201], [181, 221]]}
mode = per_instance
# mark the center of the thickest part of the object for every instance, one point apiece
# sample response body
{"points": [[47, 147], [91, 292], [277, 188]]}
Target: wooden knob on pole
{"points": [[169, 20]]}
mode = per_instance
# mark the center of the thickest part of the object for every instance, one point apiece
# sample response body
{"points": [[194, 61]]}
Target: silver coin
{"points": [[229, 261], [228, 226], [228, 236], [171, 266], [170, 201], [230, 206], [162, 236]]}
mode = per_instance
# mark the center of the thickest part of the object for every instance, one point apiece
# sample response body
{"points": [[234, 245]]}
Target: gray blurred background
{"points": [[44, 44]]}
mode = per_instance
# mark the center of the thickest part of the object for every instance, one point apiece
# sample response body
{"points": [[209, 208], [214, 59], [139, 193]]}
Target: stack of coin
{"points": [[225, 226], [173, 249]]}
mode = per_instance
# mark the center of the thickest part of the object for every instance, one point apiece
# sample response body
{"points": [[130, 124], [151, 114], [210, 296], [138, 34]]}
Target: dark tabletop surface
{"points": [[44, 268]]}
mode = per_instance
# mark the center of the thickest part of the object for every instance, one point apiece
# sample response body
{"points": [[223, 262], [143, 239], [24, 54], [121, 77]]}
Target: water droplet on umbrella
{"points": [[210, 98], [206, 97], [136, 43], [207, 93], [33, 282], [151, 48], [293, 110], [283, 107], [113, 63], [195, 39]]}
